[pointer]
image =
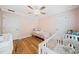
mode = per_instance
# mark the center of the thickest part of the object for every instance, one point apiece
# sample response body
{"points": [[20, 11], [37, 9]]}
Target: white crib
{"points": [[73, 37], [6, 43], [66, 41]]}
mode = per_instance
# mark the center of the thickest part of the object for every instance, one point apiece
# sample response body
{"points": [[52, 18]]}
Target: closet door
{"points": [[0, 21]]}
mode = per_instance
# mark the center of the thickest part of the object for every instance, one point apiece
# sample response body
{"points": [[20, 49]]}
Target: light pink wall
{"points": [[1, 22], [19, 26], [60, 22], [77, 22], [68, 19], [47, 24]]}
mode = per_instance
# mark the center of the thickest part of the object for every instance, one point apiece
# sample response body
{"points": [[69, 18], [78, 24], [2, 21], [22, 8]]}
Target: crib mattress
{"points": [[65, 48]]}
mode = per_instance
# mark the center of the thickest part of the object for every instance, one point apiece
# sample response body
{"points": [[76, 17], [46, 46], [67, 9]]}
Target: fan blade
{"points": [[11, 10], [30, 7], [42, 8], [42, 12]]}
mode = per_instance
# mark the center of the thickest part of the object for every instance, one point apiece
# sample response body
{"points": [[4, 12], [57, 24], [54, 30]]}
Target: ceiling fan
{"points": [[37, 11]]}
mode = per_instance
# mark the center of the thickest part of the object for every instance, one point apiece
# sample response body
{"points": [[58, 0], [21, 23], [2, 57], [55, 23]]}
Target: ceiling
{"points": [[50, 9]]}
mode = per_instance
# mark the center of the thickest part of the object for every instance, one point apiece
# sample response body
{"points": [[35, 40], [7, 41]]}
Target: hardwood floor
{"points": [[26, 46]]}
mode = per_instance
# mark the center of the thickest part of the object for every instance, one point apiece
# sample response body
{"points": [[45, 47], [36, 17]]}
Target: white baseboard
{"points": [[22, 37]]}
